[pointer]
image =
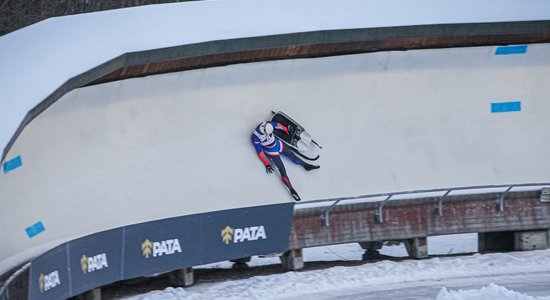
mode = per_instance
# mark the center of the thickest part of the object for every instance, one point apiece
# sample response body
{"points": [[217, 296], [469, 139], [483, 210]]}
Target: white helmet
{"points": [[266, 128]]}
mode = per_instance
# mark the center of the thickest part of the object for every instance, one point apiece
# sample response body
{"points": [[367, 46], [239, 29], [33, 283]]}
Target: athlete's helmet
{"points": [[266, 128]]}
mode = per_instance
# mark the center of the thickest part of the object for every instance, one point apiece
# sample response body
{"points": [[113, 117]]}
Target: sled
{"points": [[298, 139]]}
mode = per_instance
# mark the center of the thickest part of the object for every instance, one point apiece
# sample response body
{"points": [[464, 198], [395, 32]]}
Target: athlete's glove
{"points": [[269, 169]]}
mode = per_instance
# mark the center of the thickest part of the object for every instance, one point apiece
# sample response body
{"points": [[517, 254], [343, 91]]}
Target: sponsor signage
{"points": [[238, 233], [49, 278], [95, 260], [159, 246], [193, 240]]}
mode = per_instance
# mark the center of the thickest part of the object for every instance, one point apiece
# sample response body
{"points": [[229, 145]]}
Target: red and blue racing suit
{"points": [[273, 147]]}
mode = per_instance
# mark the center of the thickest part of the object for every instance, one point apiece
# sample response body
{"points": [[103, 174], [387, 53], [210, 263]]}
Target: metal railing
{"points": [[388, 196], [4, 289]]}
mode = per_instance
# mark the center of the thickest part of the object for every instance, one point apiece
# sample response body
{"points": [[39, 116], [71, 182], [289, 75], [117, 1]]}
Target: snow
{"points": [[36, 60], [492, 291], [477, 276]]}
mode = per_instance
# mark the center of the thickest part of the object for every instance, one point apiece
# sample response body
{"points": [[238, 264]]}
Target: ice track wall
{"points": [[176, 144]]}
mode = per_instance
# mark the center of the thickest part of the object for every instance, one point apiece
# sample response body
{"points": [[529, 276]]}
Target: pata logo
{"points": [[239, 235], [227, 234], [147, 248], [166, 247], [90, 264], [47, 282]]}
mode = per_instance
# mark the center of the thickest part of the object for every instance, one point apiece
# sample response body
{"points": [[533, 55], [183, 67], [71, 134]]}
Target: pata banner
{"points": [[95, 260], [49, 275], [159, 246]]}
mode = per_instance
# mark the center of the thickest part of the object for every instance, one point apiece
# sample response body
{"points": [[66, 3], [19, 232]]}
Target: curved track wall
{"points": [[155, 247], [175, 144]]}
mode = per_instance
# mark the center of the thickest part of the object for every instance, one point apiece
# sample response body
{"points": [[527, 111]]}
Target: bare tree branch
{"points": [[16, 14]]}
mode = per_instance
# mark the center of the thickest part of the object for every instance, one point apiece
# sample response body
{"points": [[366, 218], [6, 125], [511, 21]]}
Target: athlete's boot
{"points": [[295, 194], [310, 167]]}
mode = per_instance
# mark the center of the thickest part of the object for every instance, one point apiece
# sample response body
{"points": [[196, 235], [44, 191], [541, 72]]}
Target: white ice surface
{"points": [[37, 59], [504, 276]]}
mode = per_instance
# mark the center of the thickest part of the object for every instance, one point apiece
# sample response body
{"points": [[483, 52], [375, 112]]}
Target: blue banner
{"points": [[157, 247], [49, 276], [95, 260], [162, 246]]}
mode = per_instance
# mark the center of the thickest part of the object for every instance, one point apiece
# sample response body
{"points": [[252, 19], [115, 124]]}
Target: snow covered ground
{"points": [[503, 276]]}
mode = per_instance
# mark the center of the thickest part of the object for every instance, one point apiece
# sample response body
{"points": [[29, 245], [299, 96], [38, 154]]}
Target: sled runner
{"points": [[298, 139]]}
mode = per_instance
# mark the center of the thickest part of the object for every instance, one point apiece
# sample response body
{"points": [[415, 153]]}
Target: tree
{"points": [[16, 14]]}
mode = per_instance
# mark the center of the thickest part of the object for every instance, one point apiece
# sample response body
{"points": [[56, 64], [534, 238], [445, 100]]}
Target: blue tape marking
{"points": [[12, 164], [505, 106], [511, 50], [35, 229]]}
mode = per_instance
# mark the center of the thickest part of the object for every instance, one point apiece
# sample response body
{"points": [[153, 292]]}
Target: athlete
{"points": [[265, 141]]}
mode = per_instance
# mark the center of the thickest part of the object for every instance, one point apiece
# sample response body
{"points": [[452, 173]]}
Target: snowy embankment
{"points": [[492, 291], [462, 277]]}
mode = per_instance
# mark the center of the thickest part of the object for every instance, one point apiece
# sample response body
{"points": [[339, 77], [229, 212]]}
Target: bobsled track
{"points": [[144, 164]]}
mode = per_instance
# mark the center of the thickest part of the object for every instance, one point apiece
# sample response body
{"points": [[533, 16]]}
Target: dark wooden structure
{"points": [[420, 218]]}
